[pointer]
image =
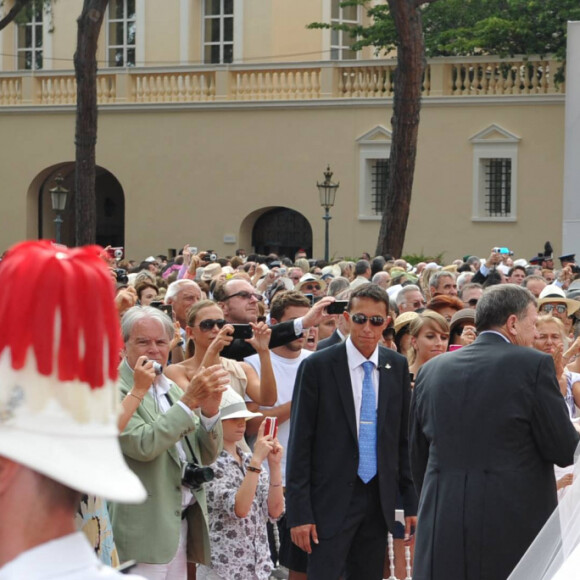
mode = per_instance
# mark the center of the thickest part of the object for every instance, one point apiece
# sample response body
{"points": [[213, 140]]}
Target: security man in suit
{"points": [[170, 429], [348, 452]]}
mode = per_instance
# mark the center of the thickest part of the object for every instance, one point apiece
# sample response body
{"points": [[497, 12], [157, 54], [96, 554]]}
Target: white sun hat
{"points": [[59, 352], [232, 406]]}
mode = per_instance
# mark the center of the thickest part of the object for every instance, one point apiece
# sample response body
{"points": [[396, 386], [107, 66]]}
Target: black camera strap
{"points": [[185, 436]]}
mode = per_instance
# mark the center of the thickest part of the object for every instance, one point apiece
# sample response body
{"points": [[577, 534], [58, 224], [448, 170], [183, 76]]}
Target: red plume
{"points": [[40, 284]]}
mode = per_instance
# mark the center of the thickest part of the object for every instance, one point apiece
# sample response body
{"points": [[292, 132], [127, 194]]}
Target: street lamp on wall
{"points": [[327, 192], [58, 197]]}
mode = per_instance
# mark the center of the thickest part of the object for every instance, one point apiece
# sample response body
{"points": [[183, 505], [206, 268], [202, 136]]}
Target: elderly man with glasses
{"points": [[553, 301], [239, 301]]}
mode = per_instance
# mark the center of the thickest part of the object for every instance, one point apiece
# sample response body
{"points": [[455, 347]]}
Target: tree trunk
{"points": [[89, 27], [405, 125], [13, 12]]}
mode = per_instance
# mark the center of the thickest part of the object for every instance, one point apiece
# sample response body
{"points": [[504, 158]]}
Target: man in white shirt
{"points": [[58, 411], [285, 359]]}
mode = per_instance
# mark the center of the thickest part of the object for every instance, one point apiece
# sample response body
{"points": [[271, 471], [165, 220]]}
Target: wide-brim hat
{"points": [[554, 294], [211, 271], [404, 320], [59, 403], [466, 315], [309, 278], [232, 406]]}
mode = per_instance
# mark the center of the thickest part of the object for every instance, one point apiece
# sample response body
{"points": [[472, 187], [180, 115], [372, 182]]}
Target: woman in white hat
{"points": [[242, 498]]}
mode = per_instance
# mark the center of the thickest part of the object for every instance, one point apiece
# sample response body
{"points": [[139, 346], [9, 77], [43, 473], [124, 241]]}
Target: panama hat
{"points": [[232, 406], [58, 366], [309, 278], [553, 293]]}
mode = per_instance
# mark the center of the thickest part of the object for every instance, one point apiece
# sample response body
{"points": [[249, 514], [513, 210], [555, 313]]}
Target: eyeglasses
{"points": [[246, 295], [417, 304], [311, 287], [559, 308], [207, 324], [362, 319]]}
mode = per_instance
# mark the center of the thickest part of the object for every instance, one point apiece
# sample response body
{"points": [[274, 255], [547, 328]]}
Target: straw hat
{"points": [[310, 278], [232, 406], [555, 294], [58, 367]]}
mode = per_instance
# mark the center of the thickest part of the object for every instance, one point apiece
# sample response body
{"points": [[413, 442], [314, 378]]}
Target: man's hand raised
{"points": [[205, 389], [317, 313]]}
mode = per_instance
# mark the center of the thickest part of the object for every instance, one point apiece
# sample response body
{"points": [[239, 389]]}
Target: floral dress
{"points": [[239, 546]]}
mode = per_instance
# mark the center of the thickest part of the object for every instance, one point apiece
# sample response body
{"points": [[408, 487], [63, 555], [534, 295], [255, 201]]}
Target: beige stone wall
{"points": [[195, 175], [199, 167]]}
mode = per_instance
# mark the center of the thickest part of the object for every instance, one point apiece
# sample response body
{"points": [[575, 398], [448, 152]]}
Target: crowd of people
{"points": [[348, 361]]}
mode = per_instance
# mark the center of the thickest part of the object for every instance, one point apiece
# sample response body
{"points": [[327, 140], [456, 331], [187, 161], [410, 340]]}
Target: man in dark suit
{"points": [[239, 301], [488, 422], [348, 452], [339, 335]]}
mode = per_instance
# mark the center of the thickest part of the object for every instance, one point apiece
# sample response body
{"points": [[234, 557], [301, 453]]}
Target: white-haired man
{"points": [[169, 431], [182, 295]]}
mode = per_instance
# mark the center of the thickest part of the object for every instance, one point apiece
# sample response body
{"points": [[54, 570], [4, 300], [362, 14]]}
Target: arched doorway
{"points": [[282, 231], [110, 205]]}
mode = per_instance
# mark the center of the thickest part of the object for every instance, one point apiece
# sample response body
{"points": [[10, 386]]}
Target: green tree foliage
{"points": [[474, 27]]}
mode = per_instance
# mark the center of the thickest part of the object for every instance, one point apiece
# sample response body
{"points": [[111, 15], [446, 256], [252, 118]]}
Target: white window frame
{"points": [[494, 142], [33, 49], [342, 35], [139, 34], [237, 28], [374, 144]]}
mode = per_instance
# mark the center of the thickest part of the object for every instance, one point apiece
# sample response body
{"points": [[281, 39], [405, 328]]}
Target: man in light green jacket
{"points": [[168, 427]]}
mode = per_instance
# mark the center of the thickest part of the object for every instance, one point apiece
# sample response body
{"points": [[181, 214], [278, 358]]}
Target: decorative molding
{"points": [[494, 134]]}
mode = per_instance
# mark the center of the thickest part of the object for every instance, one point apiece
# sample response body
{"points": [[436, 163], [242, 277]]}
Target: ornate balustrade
{"points": [[311, 81]]}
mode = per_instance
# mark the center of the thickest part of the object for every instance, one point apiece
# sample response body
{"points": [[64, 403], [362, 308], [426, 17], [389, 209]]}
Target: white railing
{"points": [[444, 77]]}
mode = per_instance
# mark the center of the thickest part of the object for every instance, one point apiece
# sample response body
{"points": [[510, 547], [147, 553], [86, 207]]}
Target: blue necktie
{"points": [[367, 433]]}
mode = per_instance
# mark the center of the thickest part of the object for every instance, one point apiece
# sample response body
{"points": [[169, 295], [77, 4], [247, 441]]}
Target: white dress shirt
{"points": [[158, 390], [355, 360], [68, 558]]}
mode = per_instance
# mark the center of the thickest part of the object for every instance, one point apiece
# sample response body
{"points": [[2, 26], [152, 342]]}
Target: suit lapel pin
{"points": [[387, 366]]}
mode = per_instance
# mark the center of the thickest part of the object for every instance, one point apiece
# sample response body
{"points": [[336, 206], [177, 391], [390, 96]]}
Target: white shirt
{"points": [[68, 558], [158, 390], [285, 370], [355, 360]]}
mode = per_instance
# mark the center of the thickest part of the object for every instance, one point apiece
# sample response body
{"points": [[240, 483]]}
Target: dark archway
{"points": [[110, 206], [282, 231]]}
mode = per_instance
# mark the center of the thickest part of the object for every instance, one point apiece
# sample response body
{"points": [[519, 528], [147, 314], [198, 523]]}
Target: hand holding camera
{"points": [[267, 446], [144, 374]]}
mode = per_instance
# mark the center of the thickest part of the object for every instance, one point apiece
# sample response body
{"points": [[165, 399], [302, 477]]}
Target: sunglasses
{"points": [[311, 287], [362, 319], [246, 295], [473, 302], [559, 308], [207, 324]]}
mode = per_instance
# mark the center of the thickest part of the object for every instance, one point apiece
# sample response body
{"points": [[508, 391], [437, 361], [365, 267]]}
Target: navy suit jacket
{"points": [[323, 445], [488, 422], [334, 338]]}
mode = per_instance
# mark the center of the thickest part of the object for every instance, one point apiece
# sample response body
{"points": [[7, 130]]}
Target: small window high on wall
{"points": [[30, 39], [218, 31], [121, 33]]}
